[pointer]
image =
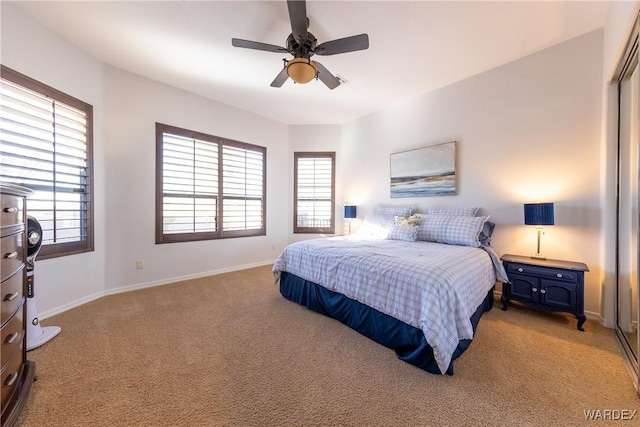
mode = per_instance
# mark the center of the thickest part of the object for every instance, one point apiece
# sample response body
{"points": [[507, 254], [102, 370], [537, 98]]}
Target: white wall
{"points": [[132, 107], [31, 49], [527, 131]]}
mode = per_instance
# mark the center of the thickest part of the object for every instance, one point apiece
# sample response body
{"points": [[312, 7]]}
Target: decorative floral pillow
{"points": [[404, 233], [453, 230], [407, 221]]}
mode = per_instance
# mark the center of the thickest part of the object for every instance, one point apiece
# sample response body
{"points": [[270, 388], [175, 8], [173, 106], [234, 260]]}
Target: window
{"points": [[314, 192], [208, 187], [46, 145]]}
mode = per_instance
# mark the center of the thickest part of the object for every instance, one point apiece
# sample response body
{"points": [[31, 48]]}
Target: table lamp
{"points": [[349, 214], [538, 214]]}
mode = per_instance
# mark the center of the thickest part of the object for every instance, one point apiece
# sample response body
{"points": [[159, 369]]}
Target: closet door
{"points": [[628, 256]]}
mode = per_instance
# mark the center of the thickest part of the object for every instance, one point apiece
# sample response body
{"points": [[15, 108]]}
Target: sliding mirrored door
{"points": [[628, 250]]}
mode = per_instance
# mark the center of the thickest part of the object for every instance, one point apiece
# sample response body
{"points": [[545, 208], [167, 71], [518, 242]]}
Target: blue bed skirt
{"points": [[408, 342]]}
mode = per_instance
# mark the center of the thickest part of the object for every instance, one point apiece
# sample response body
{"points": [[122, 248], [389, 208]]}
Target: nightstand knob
{"points": [[542, 291], [559, 275], [534, 289], [520, 270]]}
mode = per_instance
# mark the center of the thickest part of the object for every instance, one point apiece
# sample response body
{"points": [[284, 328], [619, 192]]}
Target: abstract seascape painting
{"points": [[428, 171]]}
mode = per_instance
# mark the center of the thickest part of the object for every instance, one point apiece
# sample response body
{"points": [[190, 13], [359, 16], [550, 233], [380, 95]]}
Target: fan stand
{"points": [[36, 334]]}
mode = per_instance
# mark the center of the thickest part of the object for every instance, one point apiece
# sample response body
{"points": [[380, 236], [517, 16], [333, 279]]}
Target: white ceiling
{"points": [[415, 46]]}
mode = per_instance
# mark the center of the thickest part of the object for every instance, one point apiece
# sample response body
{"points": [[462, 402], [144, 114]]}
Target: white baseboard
{"points": [[594, 316], [68, 306], [73, 304], [183, 278]]}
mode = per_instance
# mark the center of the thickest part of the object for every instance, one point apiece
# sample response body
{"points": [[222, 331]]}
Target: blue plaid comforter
{"points": [[432, 286]]}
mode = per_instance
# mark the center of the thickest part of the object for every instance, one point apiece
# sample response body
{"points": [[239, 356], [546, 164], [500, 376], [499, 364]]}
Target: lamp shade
{"points": [[301, 70], [349, 211], [538, 214]]}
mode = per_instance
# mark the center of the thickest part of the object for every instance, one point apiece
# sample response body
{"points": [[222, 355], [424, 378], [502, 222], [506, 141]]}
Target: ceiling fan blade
{"points": [[298, 18], [258, 46], [347, 44], [280, 78], [326, 77]]}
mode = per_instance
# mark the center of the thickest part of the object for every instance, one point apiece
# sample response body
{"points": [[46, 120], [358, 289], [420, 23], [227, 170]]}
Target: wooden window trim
{"points": [[55, 250], [314, 230], [220, 233]]}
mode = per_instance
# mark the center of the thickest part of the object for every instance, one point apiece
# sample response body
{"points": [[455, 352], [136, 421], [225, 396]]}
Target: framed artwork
{"points": [[428, 171]]}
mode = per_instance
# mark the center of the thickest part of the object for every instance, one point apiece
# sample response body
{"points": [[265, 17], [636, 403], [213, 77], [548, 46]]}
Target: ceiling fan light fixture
{"points": [[301, 70]]}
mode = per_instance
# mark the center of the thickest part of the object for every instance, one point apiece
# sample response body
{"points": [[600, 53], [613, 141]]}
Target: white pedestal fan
{"points": [[36, 334]]}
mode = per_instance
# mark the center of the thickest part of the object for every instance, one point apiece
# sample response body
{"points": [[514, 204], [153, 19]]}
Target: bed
{"points": [[422, 298]]}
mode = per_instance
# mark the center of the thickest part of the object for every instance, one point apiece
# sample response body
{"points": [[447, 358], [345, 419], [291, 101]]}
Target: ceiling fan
{"points": [[303, 45]]}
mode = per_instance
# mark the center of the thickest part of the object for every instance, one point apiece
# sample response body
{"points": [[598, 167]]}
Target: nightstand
{"points": [[550, 285]]}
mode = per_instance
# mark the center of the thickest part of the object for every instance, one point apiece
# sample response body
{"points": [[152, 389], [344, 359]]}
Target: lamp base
{"points": [[539, 256]]}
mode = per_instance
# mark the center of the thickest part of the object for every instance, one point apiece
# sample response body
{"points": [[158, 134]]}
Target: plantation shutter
{"points": [[314, 188], [190, 183], [45, 146], [242, 172]]}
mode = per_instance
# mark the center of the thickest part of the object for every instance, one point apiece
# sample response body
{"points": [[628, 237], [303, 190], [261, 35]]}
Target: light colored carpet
{"points": [[228, 350]]}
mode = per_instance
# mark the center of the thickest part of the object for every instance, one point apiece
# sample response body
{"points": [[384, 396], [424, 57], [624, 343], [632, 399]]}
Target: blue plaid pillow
{"points": [[391, 211], [486, 233], [404, 233], [452, 211], [453, 230]]}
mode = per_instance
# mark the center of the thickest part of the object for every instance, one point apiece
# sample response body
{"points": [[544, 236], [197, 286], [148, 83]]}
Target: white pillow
{"points": [[375, 227], [453, 230]]}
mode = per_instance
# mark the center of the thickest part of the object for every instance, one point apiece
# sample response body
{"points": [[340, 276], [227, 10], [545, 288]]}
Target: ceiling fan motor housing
{"points": [[305, 50]]}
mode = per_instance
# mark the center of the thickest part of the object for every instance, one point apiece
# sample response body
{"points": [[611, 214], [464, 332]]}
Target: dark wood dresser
{"points": [[17, 373]]}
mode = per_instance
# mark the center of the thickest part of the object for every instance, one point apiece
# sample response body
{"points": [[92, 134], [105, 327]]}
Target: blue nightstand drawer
{"points": [[550, 273]]}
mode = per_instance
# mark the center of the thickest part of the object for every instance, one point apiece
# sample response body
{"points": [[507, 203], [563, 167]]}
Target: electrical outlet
{"points": [[139, 265], [273, 248]]}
